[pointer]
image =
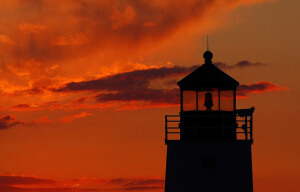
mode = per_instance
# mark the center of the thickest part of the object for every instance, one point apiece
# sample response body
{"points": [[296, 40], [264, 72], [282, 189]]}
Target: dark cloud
{"points": [[135, 85], [32, 91], [173, 97], [132, 86], [126, 81], [144, 182], [149, 95], [140, 78], [246, 63], [11, 184], [54, 189], [6, 180], [138, 86], [8, 121], [80, 100], [136, 79], [138, 184], [141, 188], [258, 87], [24, 107], [240, 64], [136, 181]]}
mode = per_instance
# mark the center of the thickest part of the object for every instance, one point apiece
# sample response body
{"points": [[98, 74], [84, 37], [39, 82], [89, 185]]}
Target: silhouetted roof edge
{"points": [[221, 78]]}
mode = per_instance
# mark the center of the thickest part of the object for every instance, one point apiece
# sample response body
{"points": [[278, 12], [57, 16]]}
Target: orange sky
{"points": [[85, 86]]}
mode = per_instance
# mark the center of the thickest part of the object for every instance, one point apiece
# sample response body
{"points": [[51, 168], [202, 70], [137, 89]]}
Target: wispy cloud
{"points": [[15, 183], [6, 180], [42, 189], [32, 28], [136, 79], [70, 118], [153, 87], [258, 87], [25, 107], [135, 85], [240, 64], [138, 184], [8, 121]]}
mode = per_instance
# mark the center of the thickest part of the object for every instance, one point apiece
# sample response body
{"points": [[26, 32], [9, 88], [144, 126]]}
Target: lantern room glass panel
{"points": [[201, 99], [227, 100], [189, 100], [208, 100]]}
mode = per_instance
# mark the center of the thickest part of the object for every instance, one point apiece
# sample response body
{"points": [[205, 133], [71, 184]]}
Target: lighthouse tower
{"points": [[209, 142]]}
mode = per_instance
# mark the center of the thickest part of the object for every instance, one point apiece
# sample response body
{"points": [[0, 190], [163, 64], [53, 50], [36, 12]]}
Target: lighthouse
{"points": [[209, 142]]}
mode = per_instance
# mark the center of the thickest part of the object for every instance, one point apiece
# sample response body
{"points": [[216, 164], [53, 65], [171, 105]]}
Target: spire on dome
{"points": [[208, 55]]}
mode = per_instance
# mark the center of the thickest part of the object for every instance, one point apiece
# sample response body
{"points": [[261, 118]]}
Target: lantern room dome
{"points": [[208, 56], [207, 76]]}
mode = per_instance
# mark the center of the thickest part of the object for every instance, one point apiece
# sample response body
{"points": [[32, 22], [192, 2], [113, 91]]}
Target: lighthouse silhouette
{"points": [[209, 142]]}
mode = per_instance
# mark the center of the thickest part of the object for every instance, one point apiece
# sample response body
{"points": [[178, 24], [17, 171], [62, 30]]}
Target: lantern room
{"points": [[208, 89], [208, 103]]}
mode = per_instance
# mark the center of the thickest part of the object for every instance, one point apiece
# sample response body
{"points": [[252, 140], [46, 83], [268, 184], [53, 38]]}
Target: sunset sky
{"points": [[85, 85]]}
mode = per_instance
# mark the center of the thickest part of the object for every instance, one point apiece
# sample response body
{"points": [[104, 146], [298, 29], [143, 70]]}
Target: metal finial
{"points": [[207, 42]]}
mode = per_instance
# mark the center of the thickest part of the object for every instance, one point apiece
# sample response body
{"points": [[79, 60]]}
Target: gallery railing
{"points": [[243, 125]]}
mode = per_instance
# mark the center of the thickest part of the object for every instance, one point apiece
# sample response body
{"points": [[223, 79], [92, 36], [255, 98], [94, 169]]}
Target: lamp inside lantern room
{"points": [[208, 103]]}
